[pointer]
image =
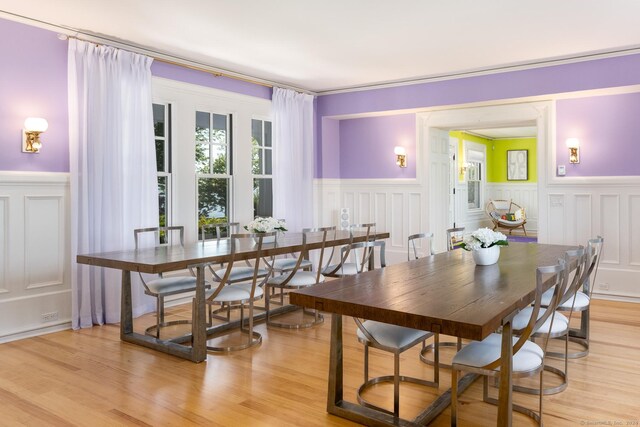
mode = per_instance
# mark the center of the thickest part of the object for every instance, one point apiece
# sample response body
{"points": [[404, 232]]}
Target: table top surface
{"points": [[445, 293], [169, 258]]}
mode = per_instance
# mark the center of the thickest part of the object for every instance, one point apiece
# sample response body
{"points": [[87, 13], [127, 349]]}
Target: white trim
{"points": [[614, 297], [34, 332], [367, 181], [198, 90], [14, 178]]}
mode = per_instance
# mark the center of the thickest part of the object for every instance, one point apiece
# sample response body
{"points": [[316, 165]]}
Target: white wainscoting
{"points": [[576, 212], [35, 290], [396, 206], [606, 207]]}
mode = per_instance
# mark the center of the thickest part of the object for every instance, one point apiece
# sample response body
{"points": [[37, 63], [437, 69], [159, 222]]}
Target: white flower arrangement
{"points": [[265, 225], [483, 238]]}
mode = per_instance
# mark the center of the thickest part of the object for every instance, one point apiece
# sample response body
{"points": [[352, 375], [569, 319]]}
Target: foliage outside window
{"points": [[213, 167], [261, 168], [474, 185]]}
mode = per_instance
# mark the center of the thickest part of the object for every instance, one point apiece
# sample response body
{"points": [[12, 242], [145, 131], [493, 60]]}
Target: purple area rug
{"points": [[522, 239]]}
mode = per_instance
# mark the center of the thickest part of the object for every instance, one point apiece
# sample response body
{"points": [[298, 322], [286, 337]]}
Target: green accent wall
{"points": [[497, 155]]}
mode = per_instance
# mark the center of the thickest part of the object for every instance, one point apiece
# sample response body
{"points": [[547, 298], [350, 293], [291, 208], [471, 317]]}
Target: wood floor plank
{"points": [[90, 377]]}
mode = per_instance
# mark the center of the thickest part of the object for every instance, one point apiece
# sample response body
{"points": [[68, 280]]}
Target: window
{"points": [[261, 168], [474, 184], [213, 166], [475, 156], [161, 127]]}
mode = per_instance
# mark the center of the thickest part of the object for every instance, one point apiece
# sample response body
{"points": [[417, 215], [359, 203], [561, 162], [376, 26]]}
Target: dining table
{"points": [[196, 256], [445, 293]]}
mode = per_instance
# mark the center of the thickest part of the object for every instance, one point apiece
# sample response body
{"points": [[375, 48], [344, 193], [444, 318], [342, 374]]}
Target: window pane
{"points": [[219, 156], [158, 119], [262, 197], [162, 204], [211, 158], [473, 198], [219, 122], [160, 155], [213, 194], [267, 134], [256, 160], [267, 162], [202, 126], [203, 155], [256, 131]]}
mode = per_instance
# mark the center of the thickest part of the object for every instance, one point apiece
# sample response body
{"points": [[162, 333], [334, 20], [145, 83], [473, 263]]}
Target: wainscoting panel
{"points": [[583, 229], [34, 275], [4, 243], [634, 243], [397, 219], [556, 221], [610, 226], [44, 243]]}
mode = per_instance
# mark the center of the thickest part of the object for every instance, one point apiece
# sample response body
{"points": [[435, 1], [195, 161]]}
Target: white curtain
{"points": [[113, 172], [293, 158]]}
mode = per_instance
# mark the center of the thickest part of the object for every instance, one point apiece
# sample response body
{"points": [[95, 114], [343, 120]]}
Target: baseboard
{"points": [[619, 298], [62, 326]]}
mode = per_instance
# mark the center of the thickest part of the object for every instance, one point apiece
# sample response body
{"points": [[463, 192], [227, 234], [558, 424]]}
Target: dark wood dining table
{"points": [[444, 293], [166, 258]]}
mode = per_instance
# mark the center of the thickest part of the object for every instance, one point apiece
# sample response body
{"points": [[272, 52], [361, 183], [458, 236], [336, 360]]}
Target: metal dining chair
{"points": [[298, 278], [241, 295], [484, 357], [345, 267], [454, 237], [427, 238], [161, 287]]}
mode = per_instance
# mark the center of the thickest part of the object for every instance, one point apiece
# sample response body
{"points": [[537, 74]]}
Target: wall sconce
{"points": [[33, 127], [463, 168], [574, 150], [401, 156]]}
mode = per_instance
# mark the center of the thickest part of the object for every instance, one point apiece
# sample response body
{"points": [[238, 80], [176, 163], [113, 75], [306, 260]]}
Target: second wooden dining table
{"points": [[445, 293]]}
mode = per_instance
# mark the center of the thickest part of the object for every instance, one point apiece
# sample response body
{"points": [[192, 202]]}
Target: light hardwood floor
{"points": [[90, 378]]}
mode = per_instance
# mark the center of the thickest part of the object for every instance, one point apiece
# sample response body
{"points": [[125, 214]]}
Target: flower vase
{"points": [[486, 256], [266, 240]]}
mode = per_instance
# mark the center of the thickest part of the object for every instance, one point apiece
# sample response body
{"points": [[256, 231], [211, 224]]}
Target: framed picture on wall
{"points": [[517, 165]]}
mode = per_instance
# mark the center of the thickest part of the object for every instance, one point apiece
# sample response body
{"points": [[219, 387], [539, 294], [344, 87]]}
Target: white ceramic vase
{"points": [[265, 240], [486, 256]]}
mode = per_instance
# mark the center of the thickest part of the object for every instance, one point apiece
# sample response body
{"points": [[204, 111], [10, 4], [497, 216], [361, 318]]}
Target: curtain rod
{"points": [[65, 32]]}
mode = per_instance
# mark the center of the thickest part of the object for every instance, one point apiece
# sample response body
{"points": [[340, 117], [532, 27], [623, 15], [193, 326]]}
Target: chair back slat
{"points": [[454, 237], [411, 244]]}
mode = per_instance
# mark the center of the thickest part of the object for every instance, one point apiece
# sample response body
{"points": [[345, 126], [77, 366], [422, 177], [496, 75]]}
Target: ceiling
{"points": [[336, 44]]}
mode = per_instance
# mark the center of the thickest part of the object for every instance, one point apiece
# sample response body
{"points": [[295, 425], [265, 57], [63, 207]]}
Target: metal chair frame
{"points": [[160, 296], [286, 285], [411, 244], [559, 273], [254, 338], [344, 254]]}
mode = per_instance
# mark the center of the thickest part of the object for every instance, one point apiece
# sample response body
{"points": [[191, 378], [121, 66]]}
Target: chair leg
{"points": [[159, 315], [366, 363]]}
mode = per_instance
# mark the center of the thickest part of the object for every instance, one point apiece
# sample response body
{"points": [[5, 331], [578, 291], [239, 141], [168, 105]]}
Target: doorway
{"points": [[443, 208]]}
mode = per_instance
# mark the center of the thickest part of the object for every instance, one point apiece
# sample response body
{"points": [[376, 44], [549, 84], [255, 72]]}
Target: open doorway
{"points": [[485, 137], [495, 164]]}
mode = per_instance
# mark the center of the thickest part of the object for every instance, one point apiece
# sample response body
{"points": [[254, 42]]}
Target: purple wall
{"points": [[187, 75], [607, 127], [602, 73], [366, 146], [33, 83], [328, 160], [601, 124]]}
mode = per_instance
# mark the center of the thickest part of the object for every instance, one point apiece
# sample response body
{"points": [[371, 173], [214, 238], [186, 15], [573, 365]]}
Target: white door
{"points": [[439, 166], [453, 180]]}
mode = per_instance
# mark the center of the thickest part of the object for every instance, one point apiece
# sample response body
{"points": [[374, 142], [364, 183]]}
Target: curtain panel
{"points": [[113, 172], [293, 158]]}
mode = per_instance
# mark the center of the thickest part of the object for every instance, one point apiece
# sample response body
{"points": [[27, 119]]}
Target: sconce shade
{"points": [[574, 150], [401, 156], [573, 143], [35, 124], [399, 151]]}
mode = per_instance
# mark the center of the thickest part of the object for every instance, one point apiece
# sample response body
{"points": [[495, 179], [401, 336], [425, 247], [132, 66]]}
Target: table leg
{"points": [[126, 306], [506, 368], [199, 321], [336, 376]]}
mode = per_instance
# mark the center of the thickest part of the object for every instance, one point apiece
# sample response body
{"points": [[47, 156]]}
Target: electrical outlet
{"points": [[604, 286], [49, 317]]}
